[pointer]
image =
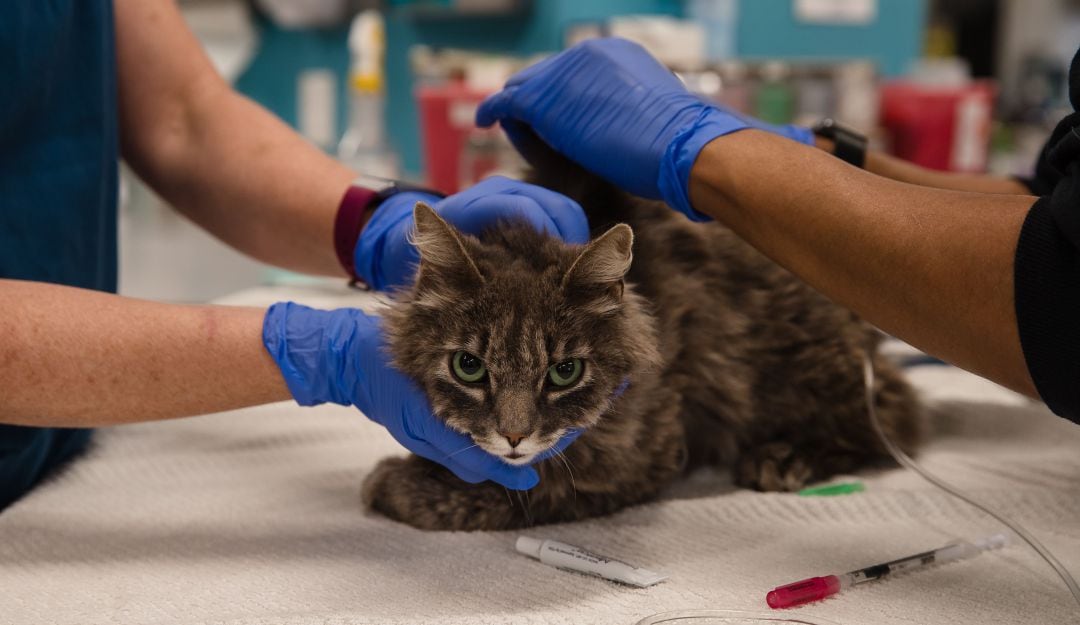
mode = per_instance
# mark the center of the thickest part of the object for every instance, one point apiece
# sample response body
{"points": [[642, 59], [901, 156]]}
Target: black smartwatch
{"points": [[849, 146]]}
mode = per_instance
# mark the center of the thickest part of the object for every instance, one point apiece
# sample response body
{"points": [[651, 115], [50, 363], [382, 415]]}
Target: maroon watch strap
{"points": [[353, 214]]}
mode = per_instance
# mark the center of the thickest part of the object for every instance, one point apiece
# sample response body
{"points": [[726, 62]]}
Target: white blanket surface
{"points": [[253, 517]]}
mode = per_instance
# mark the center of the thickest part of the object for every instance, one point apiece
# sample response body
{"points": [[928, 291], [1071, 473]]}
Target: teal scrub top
{"points": [[58, 178], [58, 142]]}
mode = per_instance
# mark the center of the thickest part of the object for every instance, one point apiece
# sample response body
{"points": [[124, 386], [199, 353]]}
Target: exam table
{"points": [[254, 517]]}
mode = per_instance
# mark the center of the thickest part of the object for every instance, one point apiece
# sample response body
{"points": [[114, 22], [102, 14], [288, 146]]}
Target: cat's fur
{"points": [[732, 361]]}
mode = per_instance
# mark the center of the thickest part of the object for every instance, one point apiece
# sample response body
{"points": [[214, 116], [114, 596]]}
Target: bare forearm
{"points": [[903, 171], [221, 159], [933, 267], [70, 357], [255, 184]]}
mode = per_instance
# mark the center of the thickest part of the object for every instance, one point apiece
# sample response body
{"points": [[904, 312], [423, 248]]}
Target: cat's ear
{"points": [[604, 262], [441, 247]]}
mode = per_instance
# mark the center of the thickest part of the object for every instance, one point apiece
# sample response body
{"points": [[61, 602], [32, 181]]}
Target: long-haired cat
{"points": [[672, 345]]}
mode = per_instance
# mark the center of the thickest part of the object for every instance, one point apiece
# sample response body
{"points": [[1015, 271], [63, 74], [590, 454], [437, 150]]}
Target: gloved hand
{"points": [[339, 356], [613, 108], [385, 258]]}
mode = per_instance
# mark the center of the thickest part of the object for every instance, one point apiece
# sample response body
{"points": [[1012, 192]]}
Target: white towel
{"points": [[253, 517]]}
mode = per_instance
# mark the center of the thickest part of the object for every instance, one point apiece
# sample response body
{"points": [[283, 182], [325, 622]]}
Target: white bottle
{"points": [[363, 147], [721, 20]]}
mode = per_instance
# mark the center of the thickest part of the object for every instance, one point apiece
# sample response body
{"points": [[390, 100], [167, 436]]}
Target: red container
{"points": [[944, 128], [447, 115]]}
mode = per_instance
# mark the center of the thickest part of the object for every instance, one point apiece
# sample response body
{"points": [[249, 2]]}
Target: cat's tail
{"points": [[605, 204]]}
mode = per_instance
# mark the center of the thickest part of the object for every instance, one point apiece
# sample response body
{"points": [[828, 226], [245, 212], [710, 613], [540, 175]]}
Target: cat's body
{"points": [[732, 361]]}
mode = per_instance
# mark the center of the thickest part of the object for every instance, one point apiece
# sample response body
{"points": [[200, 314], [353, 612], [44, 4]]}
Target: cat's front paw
{"points": [[377, 491], [427, 496], [394, 490]]}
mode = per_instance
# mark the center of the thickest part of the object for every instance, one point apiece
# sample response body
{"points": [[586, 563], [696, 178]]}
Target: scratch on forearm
{"points": [[210, 325]]}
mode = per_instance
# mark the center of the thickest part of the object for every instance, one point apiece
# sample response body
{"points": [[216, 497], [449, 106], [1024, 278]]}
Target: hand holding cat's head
{"points": [[518, 337]]}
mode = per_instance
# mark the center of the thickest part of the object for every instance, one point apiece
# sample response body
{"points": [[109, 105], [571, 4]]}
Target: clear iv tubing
{"points": [[734, 616], [906, 461]]}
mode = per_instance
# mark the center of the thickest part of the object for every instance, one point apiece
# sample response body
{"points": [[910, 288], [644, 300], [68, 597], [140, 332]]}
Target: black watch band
{"points": [[385, 187], [849, 146], [363, 197]]}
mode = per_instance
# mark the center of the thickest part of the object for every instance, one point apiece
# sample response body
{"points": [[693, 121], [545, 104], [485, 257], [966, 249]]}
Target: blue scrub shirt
{"points": [[58, 179]]}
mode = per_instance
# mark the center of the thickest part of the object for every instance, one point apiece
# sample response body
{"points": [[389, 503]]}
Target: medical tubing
{"points": [[907, 461], [734, 616]]}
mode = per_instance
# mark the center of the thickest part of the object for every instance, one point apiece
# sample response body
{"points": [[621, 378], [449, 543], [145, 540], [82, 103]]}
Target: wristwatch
{"points": [[361, 199], [848, 145], [385, 187]]}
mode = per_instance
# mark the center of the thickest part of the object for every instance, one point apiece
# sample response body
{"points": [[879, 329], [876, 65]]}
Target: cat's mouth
{"points": [[518, 455], [517, 459]]}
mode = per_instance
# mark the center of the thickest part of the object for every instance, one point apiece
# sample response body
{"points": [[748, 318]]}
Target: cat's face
{"points": [[521, 338]]}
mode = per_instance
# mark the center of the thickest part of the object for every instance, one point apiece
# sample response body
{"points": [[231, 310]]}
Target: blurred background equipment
{"points": [[363, 145], [304, 13], [391, 86]]}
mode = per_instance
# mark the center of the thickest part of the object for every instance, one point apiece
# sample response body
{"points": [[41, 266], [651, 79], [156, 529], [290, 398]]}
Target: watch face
{"points": [[374, 183], [825, 128]]}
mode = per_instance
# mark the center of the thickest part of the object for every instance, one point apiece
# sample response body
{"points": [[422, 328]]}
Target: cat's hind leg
{"points": [[829, 431]]}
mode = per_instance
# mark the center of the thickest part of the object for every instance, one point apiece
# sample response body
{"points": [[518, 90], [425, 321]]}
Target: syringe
{"points": [[817, 588]]}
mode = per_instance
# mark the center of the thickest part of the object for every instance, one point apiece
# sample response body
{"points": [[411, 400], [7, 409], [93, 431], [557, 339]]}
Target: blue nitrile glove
{"points": [[613, 108], [340, 356], [385, 258]]}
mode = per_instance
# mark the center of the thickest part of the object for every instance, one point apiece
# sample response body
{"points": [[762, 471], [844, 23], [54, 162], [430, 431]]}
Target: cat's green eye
{"points": [[566, 372], [467, 367]]}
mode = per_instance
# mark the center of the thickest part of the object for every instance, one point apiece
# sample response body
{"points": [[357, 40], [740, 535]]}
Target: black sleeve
{"points": [[1047, 266], [1047, 275], [1035, 184], [1045, 177]]}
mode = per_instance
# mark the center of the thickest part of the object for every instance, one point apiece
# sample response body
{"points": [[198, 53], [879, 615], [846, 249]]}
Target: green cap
{"points": [[843, 488]]}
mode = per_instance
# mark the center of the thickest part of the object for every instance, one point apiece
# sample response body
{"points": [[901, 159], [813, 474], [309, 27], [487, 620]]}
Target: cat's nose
{"points": [[513, 438]]}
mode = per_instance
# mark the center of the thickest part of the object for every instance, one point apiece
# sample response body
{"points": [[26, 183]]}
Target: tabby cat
{"points": [[693, 350]]}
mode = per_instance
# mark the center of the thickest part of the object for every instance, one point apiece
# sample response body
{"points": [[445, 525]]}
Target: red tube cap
{"points": [[813, 589]]}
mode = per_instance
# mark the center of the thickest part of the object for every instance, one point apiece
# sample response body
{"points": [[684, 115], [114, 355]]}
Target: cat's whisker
{"points": [[566, 463], [524, 507], [461, 450]]}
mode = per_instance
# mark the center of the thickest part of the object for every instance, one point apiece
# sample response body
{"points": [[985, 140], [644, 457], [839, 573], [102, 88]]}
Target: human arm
{"points": [[78, 358], [903, 171], [882, 164], [219, 158]]}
